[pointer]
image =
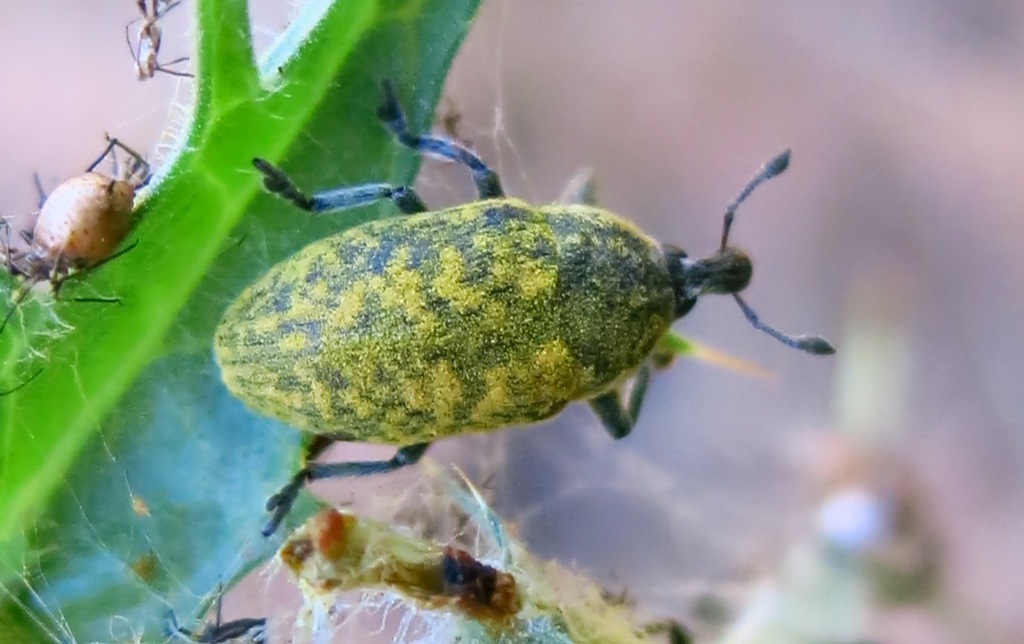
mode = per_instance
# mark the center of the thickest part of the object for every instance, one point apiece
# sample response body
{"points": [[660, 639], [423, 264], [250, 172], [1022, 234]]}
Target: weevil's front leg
{"points": [[280, 504], [277, 182], [617, 418]]}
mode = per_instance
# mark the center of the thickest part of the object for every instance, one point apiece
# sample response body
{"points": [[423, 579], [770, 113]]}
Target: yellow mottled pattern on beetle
{"points": [[466, 319]]}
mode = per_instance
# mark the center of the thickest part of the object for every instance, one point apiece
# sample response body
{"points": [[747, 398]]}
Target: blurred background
{"points": [[896, 233]]}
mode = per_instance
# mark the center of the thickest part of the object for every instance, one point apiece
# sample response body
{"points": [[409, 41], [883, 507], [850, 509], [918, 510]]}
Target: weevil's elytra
{"points": [[471, 318]]}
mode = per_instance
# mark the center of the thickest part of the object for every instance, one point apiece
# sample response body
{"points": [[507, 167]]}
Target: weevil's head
{"points": [[728, 270], [725, 272]]}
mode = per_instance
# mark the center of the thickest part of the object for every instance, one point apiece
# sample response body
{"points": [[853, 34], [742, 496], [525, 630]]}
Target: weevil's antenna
{"points": [[809, 343], [774, 167], [815, 344]]}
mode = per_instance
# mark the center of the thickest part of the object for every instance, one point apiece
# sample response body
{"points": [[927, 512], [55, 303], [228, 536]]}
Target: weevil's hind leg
{"points": [[617, 418], [280, 504], [581, 189], [277, 182], [488, 185]]}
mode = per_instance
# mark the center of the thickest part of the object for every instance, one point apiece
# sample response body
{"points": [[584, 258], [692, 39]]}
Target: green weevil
{"points": [[495, 313]]}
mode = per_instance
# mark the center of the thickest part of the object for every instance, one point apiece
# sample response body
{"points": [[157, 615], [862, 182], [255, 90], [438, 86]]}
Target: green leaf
{"points": [[130, 481], [677, 344]]}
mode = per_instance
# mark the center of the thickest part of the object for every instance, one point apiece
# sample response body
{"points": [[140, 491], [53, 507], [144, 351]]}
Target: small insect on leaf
{"points": [[78, 227], [146, 49], [472, 318]]}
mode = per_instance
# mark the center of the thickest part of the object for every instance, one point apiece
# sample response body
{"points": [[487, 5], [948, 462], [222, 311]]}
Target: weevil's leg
{"points": [[281, 503], [581, 189], [277, 182], [488, 185], [617, 418]]}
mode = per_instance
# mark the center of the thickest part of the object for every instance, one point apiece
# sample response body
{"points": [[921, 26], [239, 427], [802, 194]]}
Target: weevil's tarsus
{"points": [[280, 504], [277, 182]]}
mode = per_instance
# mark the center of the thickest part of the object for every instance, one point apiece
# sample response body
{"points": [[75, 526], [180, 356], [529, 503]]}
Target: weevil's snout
{"points": [[727, 271]]}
